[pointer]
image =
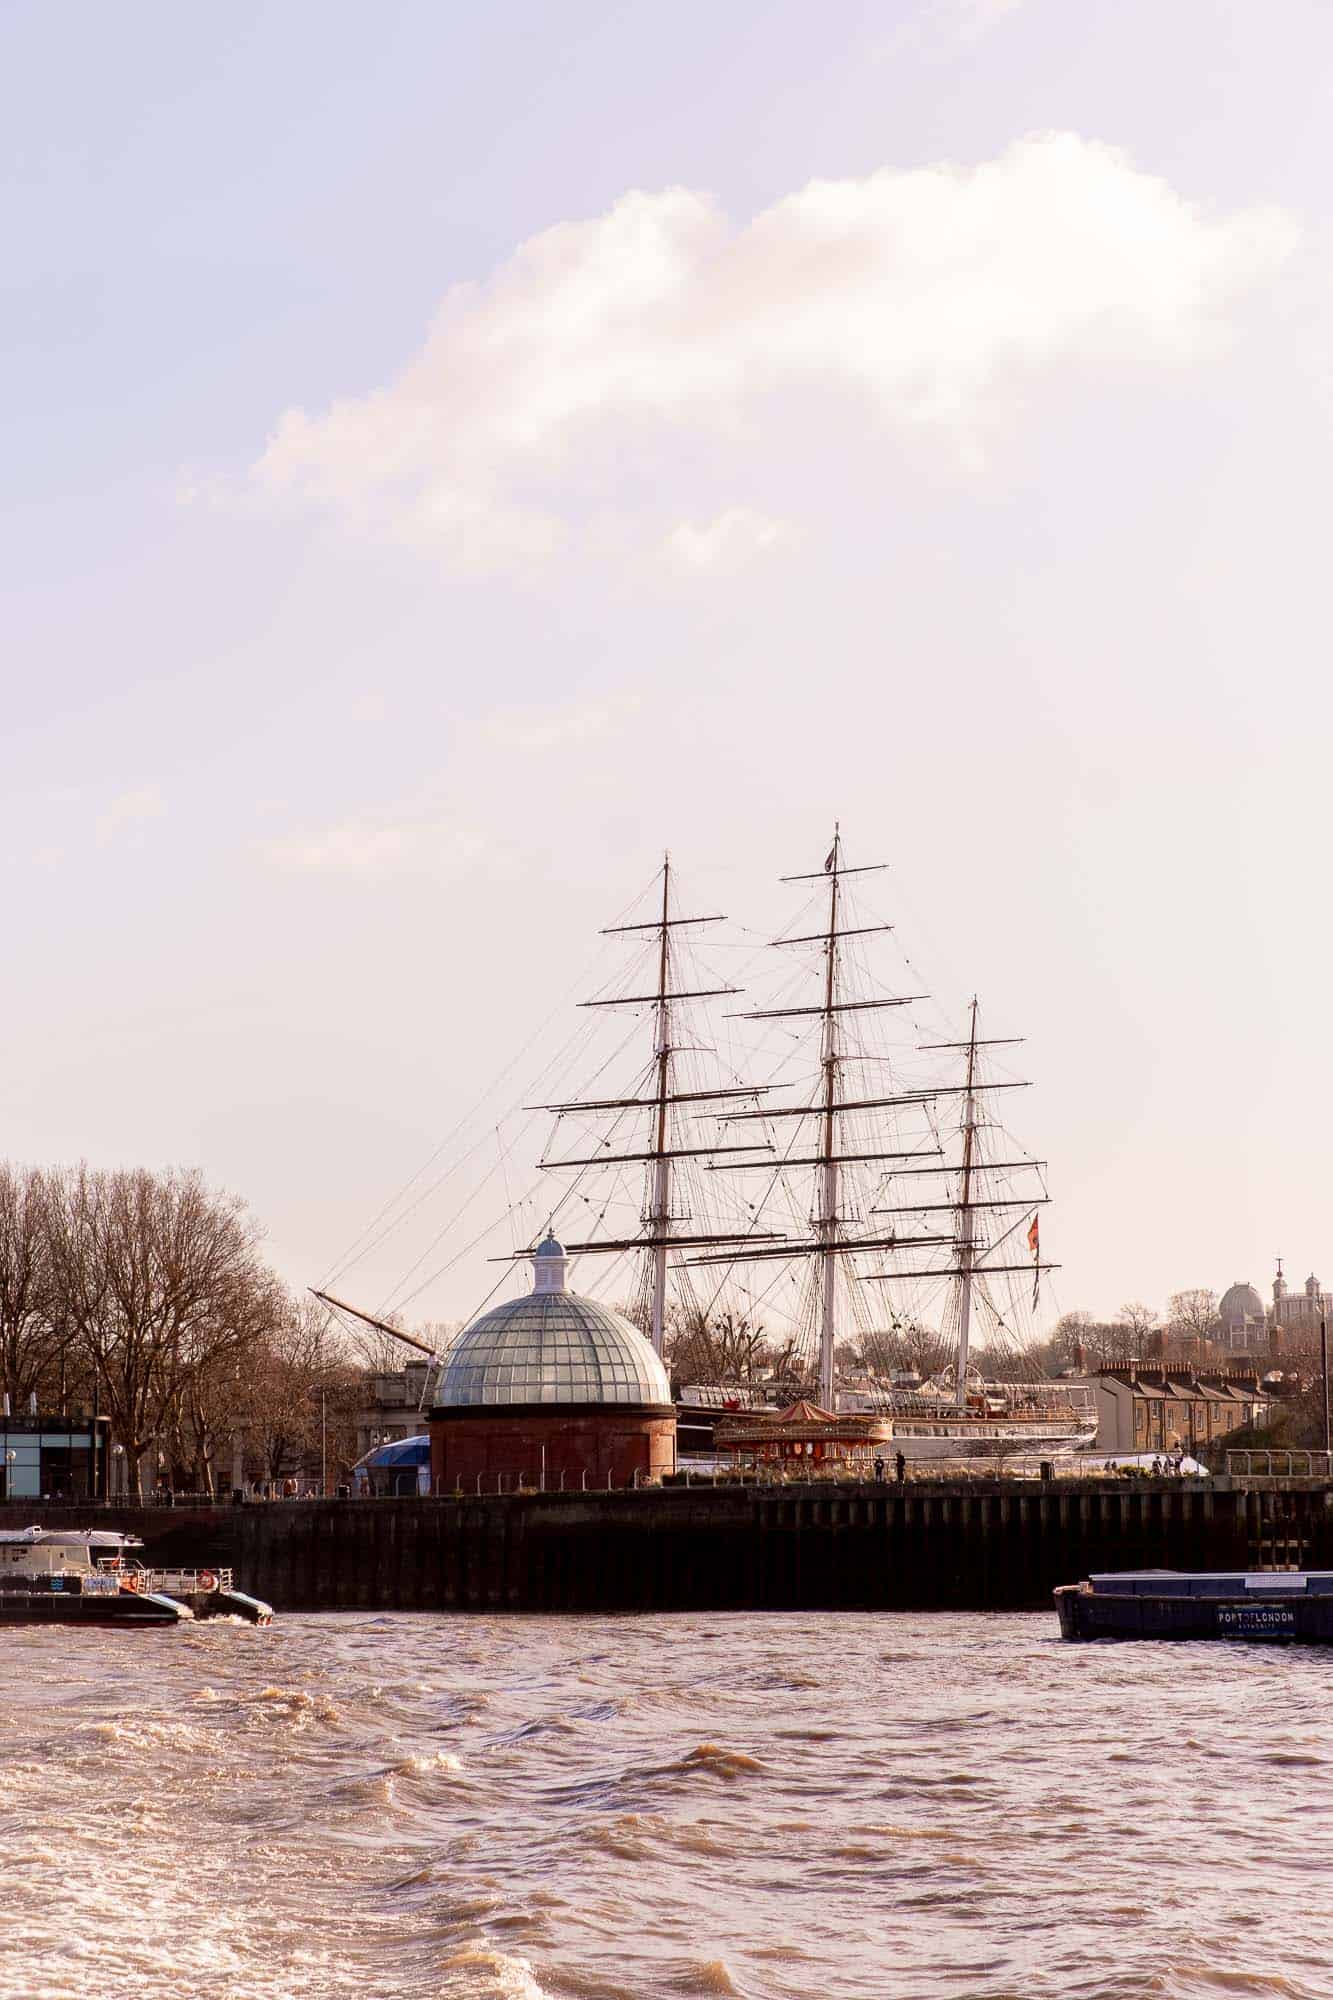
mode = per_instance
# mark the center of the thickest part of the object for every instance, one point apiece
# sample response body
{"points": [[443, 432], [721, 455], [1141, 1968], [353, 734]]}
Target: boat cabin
{"points": [[55, 1551]]}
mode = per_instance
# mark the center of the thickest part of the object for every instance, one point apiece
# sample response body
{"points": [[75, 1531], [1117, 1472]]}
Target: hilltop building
{"points": [[552, 1389], [1241, 1321], [1297, 1314], [1245, 1326]]}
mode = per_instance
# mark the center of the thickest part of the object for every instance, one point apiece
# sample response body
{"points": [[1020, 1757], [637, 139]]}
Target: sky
{"points": [[452, 456]]}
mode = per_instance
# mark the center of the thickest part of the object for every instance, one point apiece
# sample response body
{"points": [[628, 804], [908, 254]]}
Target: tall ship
{"points": [[802, 1197]]}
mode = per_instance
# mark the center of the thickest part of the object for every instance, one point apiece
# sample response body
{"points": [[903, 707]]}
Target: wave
{"points": [[506, 1978], [720, 1763], [427, 1766], [710, 1976], [296, 1705]]}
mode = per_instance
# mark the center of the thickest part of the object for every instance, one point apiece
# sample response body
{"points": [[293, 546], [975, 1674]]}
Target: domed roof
{"points": [[551, 1347], [1240, 1302]]}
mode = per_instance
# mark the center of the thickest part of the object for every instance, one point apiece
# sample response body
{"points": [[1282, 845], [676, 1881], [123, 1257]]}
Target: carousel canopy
{"points": [[801, 1422]]}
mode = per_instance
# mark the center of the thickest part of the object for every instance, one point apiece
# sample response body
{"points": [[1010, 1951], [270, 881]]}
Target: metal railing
{"points": [[1280, 1464], [177, 1582]]}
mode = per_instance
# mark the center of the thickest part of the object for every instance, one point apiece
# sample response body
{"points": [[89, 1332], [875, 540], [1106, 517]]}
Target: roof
{"points": [[398, 1451], [1240, 1301], [801, 1420], [1176, 1385], [552, 1347], [93, 1538]]}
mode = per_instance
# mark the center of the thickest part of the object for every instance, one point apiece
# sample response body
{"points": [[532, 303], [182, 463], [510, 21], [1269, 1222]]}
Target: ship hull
{"points": [[1263, 1612], [57, 1607], [997, 1441], [224, 1604]]}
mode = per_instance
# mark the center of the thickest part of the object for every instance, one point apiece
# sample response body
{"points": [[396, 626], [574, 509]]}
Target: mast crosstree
{"points": [[970, 1247], [830, 1241], [656, 1152]]}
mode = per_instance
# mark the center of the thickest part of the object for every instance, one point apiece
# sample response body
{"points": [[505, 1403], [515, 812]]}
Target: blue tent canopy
{"points": [[398, 1452]]}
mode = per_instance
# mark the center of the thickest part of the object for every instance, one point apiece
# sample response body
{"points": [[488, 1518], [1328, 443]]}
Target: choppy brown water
{"points": [[660, 1808]]}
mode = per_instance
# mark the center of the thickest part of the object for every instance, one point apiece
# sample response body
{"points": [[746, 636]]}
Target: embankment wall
{"points": [[967, 1548]]}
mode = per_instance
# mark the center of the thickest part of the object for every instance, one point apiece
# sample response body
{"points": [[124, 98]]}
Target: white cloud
{"points": [[536, 729], [732, 539], [436, 833], [130, 812], [971, 19], [627, 369], [352, 847]]}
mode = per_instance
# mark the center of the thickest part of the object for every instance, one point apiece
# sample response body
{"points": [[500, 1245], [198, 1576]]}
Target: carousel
{"points": [[802, 1435]]}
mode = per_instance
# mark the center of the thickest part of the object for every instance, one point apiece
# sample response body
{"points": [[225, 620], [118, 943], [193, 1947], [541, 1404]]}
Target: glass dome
{"points": [[552, 1347]]}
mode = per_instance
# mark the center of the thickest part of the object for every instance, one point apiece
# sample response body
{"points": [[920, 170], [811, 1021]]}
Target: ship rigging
{"points": [[884, 1196]]}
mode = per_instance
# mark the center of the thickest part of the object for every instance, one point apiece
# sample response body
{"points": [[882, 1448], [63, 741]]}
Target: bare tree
{"points": [[281, 1409], [160, 1277], [1079, 1340], [1141, 1320], [723, 1347], [34, 1337], [908, 1346], [789, 1370], [1192, 1315]]}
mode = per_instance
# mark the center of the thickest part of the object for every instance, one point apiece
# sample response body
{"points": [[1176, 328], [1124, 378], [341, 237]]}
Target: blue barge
{"points": [[1291, 1605]]}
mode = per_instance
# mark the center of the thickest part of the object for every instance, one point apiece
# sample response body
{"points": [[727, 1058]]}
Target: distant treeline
{"points": [[147, 1294]]}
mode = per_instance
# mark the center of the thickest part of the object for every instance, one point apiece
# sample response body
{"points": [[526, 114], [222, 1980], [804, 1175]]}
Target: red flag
{"points": [[832, 857], [1034, 1245]]}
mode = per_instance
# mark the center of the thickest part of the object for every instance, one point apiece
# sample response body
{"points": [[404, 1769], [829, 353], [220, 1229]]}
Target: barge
{"points": [[1295, 1606], [93, 1577]]}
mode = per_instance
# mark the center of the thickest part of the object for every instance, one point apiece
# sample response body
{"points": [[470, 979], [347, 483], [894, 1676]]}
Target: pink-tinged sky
{"points": [[451, 455]]}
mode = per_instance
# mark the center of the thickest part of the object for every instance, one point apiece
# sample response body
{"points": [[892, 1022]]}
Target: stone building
{"points": [[391, 1408], [1242, 1325], [1172, 1409], [1295, 1316], [552, 1389]]}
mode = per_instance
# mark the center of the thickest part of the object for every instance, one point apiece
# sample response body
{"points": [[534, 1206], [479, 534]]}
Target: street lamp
{"points": [[323, 1441]]}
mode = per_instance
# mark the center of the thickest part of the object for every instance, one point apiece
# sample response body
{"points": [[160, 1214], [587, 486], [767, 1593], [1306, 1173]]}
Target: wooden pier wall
{"points": [[922, 1547]]}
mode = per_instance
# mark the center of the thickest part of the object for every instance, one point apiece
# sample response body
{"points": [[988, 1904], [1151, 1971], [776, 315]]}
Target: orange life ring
{"points": [[130, 1580], [207, 1580]]}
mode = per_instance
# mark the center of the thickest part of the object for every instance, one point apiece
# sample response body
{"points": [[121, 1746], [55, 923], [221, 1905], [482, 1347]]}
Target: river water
{"points": [[660, 1808]]}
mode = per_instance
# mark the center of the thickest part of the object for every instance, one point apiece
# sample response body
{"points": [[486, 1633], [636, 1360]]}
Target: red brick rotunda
{"points": [[551, 1390]]}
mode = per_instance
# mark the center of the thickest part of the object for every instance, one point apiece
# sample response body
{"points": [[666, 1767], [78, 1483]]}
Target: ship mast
{"points": [[829, 1240], [974, 1251], [658, 1235], [828, 1218], [659, 1215], [965, 1211]]}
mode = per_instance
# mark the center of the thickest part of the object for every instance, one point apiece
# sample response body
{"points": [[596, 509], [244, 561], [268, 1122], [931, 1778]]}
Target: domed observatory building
{"points": [[549, 1388], [1242, 1324]]}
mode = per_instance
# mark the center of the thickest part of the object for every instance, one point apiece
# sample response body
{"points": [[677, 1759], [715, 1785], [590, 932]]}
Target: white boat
{"points": [[94, 1576], [50, 1577]]}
